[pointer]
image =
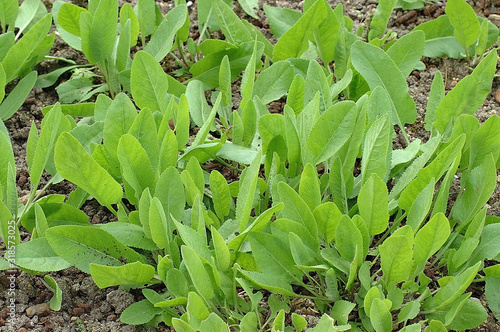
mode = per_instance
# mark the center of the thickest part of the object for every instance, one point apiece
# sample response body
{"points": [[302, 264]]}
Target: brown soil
{"points": [[85, 307]]}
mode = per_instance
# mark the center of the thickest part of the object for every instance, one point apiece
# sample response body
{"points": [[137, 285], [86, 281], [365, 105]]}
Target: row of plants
{"points": [[324, 207]]}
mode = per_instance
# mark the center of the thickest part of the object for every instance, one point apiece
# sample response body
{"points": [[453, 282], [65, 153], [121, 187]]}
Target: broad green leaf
{"points": [[396, 256], [439, 38], [138, 313], [56, 213], [163, 38], [135, 166], [207, 69], [485, 141], [327, 35], [453, 289], [197, 310], [220, 194], [233, 28], [130, 234], [380, 316], [273, 258], [246, 197], [146, 13], [468, 95], [492, 289], [464, 21], [377, 150], [6, 159], [281, 19], [214, 324], [127, 13], [434, 170], [149, 82], [378, 24], [373, 205], [170, 191], [270, 126], [68, 18], [296, 40], [29, 50], [103, 31], [429, 240], [421, 205], [407, 51], [52, 125], [341, 310], [144, 130], [327, 216], [489, 246], [274, 82], [82, 245], [378, 69], [76, 165], [296, 208], [295, 97], [348, 240], [316, 80], [332, 130], [225, 86], [8, 13], [250, 7], [17, 96], [30, 12], [132, 273], [38, 255], [436, 95], [409, 311], [272, 282], [470, 316], [309, 189], [198, 273], [479, 187]]}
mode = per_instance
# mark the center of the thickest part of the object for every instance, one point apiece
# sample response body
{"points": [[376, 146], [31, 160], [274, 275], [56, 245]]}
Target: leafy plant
{"points": [[94, 32], [18, 55], [323, 206]]}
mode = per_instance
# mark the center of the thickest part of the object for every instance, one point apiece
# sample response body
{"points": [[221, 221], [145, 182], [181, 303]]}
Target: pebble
{"points": [[41, 309]]}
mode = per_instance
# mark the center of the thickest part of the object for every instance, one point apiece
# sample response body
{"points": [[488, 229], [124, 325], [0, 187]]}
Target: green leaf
{"points": [[281, 19], [453, 289], [220, 194], [82, 245], [439, 38], [8, 13], [332, 130], [489, 246], [207, 69], [273, 258], [103, 33], [396, 256], [348, 240], [149, 82], [138, 313], [127, 13], [309, 189], [17, 96], [163, 39], [373, 205], [464, 21], [56, 300], [407, 51], [470, 316], [436, 95], [468, 95], [233, 28], [214, 324], [409, 311], [246, 197], [296, 40], [380, 316], [380, 19], [198, 273], [377, 150], [296, 208], [29, 50], [68, 18], [132, 273], [38, 255], [170, 191], [274, 82], [130, 234], [135, 166], [76, 165], [378, 69], [52, 125], [327, 35], [429, 240], [492, 289], [327, 216]]}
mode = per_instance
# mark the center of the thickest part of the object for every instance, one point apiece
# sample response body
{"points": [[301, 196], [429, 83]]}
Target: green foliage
{"points": [[321, 205]]}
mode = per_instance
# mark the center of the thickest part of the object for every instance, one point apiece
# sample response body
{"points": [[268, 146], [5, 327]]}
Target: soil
{"points": [[85, 307]]}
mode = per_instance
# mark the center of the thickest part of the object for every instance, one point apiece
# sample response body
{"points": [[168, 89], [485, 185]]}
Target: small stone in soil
{"points": [[41, 309]]}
